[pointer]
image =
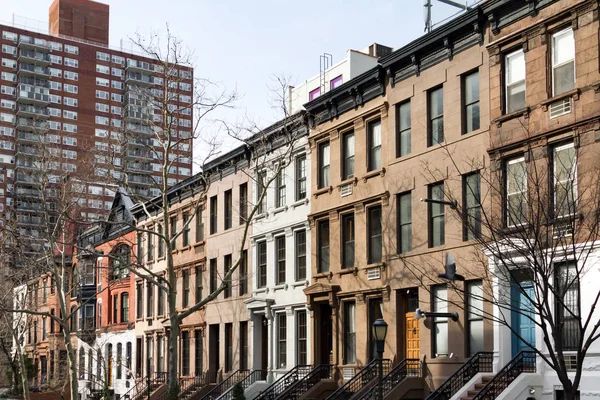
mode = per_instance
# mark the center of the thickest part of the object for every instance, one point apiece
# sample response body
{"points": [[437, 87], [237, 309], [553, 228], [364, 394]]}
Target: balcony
{"points": [[139, 66], [33, 57], [26, 42], [141, 192], [29, 206], [26, 163], [141, 180], [26, 124], [28, 137], [29, 111], [138, 116], [33, 71], [28, 220], [137, 78], [26, 179], [28, 95], [138, 167], [136, 154]]}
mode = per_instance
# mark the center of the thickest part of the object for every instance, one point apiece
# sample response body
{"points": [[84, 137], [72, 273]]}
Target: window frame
{"points": [[261, 267], [375, 151], [324, 170], [438, 321], [431, 118], [302, 337], [281, 340], [402, 223], [400, 129], [561, 306], [300, 256], [228, 209], [505, 87], [430, 216], [349, 332], [471, 316], [372, 236], [517, 159], [300, 170], [348, 239], [556, 182], [465, 105], [347, 159], [471, 231], [280, 259], [553, 67], [323, 265], [227, 264], [214, 204], [280, 185]]}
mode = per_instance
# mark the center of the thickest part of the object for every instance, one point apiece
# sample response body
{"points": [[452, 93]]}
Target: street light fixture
{"points": [[380, 328], [425, 314]]}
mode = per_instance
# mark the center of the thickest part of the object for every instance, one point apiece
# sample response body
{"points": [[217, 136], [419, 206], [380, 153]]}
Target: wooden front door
{"points": [[412, 336]]}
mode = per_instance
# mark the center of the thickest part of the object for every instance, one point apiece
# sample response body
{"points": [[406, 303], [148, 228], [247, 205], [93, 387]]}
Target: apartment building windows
{"points": [[281, 340], [243, 211], [435, 112], [227, 261], [404, 210], [124, 307], [243, 273], [160, 299], [261, 252], [349, 332], [301, 177], [564, 160], [198, 344], [228, 209], [161, 242], [470, 97], [228, 347], [199, 285], [563, 62], [471, 206], [119, 360], [280, 189], [348, 155], [244, 345], [139, 310], [186, 234], [160, 353], [173, 223], [185, 278], [436, 215], [261, 192], [348, 240], [567, 303], [323, 245], [149, 299], [302, 337], [324, 163], [403, 132], [199, 225], [300, 238], [150, 254], [280, 259], [213, 215], [374, 145], [185, 353], [516, 191], [474, 309], [515, 81], [440, 325], [115, 310], [374, 239], [213, 274]]}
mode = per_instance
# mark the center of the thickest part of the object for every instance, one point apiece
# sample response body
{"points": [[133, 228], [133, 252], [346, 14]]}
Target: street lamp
{"points": [[380, 328]]}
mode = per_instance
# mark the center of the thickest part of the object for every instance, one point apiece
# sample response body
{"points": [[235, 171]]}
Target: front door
{"points": [[412, 336], [213, 352], [325, 335], [522, 316], [264, 344]]}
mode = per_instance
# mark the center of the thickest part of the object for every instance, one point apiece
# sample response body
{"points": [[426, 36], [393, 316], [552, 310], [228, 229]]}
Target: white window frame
{"points": [[574, 174], [509, 193], [506, 74], [554, 66]]}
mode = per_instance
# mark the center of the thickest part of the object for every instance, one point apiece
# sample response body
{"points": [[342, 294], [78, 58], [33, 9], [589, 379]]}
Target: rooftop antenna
{"points": [[325, 61], [427, 8]]}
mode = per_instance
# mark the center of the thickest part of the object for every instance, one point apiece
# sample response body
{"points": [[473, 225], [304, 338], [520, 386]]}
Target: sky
{"points": [[243, 44]]}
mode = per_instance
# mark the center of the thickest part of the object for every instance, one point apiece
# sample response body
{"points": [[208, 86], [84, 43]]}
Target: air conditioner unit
{"points": [[560, 108], [346, 190], [374, 273]]}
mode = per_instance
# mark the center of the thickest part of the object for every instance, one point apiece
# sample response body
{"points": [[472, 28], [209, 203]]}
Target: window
{"points": [[348, 241], [300, 238], [161, 242], [374, 144], [115, 315], [300, 177], [436, 215], [228, 347], [173, 223], [280, 189], [403, 139], [302, 335], [335, 82], [281, 340], [119, 360], [440, 324], [150, 254], [81, 363], [436, 116], [565, 179], [475, 316], [139, 312], [348, 155], [323, 245], [185, 353], [261, 253], [74, 76], [567, 304], [70, 62], [199, 225], [349, 333], [101, 107], [71, 88], [515, 81], [563, 62], [516, 191], [244, 273], [280, 259], [71, 49], [149, 299], [186, 239], [404, 210], [227, 261], [213, 274], [185, 300], [243, 345], [261, 192], [102, 69], [213, 215], [375, 242], [313, 94], [470, 95], [471, 206], [198, 370], [324, 162], [138, 356], [160, 299], [243, 203], [228, 209]]}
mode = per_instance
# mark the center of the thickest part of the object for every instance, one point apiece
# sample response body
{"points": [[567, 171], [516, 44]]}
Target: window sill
{"points": [[320, 275], [523, 112], [319, 192], [373, 174], [299, 283], [574, 94], [185, 248], [174, 251], [200, 243], [261, 290], [159, 259], [280, 209], [301, 202], [260, 216], [347, 271], [283, 286]]}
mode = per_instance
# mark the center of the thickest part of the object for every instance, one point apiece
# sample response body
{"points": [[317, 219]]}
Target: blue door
{"points": [[521, 293]]}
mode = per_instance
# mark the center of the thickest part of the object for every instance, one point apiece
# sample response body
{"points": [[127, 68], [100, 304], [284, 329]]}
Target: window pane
{"points": [[563, 47], [375, 243], [516, 189], [374, 145], [472, 117], [564, 78], [348, 156], [436, 103], [437, 131], [472, 88], [403, 144], [515, 64], [475, 337]]}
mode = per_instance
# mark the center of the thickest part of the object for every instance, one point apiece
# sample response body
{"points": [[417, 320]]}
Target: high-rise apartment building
{"points": [[68, 90]]}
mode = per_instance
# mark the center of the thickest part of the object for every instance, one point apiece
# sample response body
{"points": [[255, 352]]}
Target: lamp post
{"points": [[380, 328]]}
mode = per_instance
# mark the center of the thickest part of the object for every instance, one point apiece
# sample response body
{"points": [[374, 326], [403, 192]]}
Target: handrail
{"points": [[298, 389], [139, 386], [254, 376], [522, 362], [360, 380], [283, 383], [190, 383], [480, 362], [405, 368], [231, 380]]}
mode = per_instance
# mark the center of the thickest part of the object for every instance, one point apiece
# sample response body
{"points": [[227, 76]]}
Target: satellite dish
{"points": [[450, 267]]}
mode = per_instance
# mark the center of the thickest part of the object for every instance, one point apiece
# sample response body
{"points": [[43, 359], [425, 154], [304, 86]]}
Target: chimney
{"points": [[81, 19]]}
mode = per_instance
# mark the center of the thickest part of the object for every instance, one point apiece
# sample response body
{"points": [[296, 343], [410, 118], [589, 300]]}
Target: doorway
{"points": [[325, 335], [213, 352], [375, 313], [264, 343], [411, 324], [522, 316]]}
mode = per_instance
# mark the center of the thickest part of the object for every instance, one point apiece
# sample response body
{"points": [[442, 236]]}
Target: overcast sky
{"points": [[242, 44]]}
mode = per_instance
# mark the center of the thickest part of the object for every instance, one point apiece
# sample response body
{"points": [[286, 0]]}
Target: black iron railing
{"points": [[409, 367], [254, 376], [283, 383], [141, 387], [222, 387], [318, 373], [522, 362], [480, 362], [189, 384], [360, 380]]}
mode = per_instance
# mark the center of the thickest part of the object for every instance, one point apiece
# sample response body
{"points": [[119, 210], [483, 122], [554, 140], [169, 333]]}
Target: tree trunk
{"points": [[23, 375], [73, 377], [173, 381]]}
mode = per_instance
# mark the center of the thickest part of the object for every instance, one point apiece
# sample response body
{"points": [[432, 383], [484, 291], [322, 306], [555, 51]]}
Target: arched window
{"points": [[121, 262]]}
